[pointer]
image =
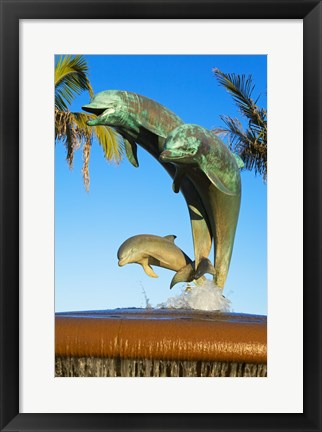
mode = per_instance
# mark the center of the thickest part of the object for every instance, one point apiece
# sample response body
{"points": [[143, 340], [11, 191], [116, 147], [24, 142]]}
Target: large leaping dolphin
{"points": [[148, 249], [143, 121], [203, 158]]}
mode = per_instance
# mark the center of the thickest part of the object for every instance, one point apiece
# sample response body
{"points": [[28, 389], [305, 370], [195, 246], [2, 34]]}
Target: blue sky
{"points": [[124, 201]]}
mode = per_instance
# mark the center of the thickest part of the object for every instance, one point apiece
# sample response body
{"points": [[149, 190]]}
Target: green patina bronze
{"points": [[140, 120], [201, 166], [214, 171]]}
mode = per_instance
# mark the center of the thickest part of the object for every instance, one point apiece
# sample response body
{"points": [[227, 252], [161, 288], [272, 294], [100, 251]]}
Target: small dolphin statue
{"points": [[214, 171], [141, 120], [148, 249]]}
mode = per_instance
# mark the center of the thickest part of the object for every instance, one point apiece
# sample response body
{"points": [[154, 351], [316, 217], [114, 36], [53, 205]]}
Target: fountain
{"points": [[182, 337], [160, 342]]}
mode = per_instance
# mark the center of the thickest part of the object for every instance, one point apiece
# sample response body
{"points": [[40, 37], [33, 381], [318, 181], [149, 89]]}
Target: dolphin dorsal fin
{"points": [[170, 237]]}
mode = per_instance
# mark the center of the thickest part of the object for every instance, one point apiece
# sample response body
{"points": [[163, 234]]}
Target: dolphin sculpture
{"points": [[214, 171], [140, 120], [148, 249]]}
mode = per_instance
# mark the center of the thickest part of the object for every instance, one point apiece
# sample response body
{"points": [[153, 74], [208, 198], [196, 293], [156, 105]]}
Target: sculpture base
{"points": [[160, 343]]}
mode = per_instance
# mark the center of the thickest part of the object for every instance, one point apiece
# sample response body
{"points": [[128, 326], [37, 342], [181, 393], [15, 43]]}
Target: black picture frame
{"points": [[11, 12]]}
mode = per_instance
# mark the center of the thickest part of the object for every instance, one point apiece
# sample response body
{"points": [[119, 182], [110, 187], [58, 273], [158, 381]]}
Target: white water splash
{"points": [[146, 298], [206, 297]]}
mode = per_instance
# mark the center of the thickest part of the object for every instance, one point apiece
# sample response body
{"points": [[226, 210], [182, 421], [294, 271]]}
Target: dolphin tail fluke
{"points": [[185, 274], [205, 266]]}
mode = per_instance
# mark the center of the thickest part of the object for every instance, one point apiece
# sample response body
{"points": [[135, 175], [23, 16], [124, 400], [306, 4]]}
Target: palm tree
{"points": [[251, 143], [71, 127]]}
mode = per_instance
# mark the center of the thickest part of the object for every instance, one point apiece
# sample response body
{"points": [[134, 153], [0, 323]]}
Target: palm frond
{"points": [[71, 127], [111, 143], [224, 133], [66, 131], [85, 169], [70, 80], [248, 144], [251, 143], [241, 89], [234, 129], [108, 139], [237, 85], [220, 131]]}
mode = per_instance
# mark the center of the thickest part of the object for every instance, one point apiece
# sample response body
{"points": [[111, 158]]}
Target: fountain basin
{"points": [[200, 340]]}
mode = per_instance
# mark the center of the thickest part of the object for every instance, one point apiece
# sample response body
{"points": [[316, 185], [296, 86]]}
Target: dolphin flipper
{"points": [[205, 266], [215, 180], [180, 172], [131, 152], [147, 268]]}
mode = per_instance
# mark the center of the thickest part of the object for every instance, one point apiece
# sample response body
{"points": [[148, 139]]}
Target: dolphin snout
{"points": [[122, 262], [165, 156], [93, 108]]}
